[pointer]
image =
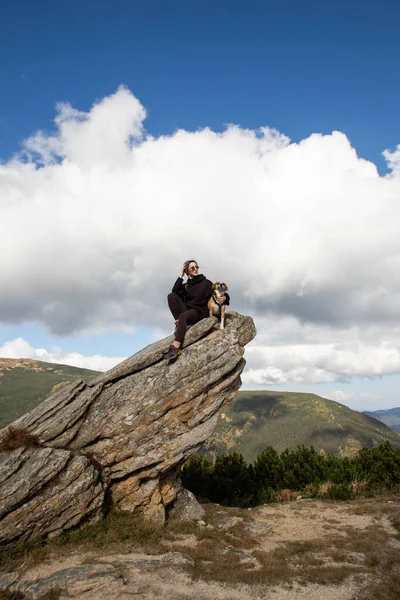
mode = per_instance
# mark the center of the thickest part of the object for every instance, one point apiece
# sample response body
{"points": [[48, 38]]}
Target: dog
{"points": [[216, 309]]}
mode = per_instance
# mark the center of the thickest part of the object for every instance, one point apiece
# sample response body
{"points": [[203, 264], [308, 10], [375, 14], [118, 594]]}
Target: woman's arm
{"points": [[179, 287]]}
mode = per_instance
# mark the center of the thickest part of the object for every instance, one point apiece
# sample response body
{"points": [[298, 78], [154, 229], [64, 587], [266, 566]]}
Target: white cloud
{"points": [[340, 396], [322, 363], [353, 397], [95, 226], [356, 400], [393, 158], [20, 348], [288, 351]]}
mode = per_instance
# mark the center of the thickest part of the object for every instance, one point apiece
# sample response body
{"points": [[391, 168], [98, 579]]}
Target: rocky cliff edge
{"points": [[120, 439]]}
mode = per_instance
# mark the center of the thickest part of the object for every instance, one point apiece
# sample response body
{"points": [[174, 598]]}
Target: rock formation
{"points": [[121, 438]]}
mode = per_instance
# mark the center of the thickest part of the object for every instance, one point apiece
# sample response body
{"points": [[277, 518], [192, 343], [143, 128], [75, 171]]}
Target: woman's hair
{"points": [[187, 263]]}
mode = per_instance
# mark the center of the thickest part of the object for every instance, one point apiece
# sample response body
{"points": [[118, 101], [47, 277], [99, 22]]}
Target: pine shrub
{"points": [[230, 481]]}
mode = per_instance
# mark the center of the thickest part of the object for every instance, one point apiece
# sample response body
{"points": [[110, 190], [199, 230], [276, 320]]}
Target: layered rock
{"points": [[121, 438]]}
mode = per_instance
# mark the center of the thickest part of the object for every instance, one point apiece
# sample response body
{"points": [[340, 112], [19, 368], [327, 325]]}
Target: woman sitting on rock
{"points": [[188, 303]]}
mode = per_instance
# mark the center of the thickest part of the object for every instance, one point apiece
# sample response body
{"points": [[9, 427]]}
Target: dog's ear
{"points": [[225, 286], [214, 287]]}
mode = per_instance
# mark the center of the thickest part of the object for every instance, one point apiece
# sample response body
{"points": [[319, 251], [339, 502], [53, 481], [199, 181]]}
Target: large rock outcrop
{"points": [[120, 439]]}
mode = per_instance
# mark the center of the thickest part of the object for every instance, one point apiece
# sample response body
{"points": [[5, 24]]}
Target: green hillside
{"points": [[255, 420], [24, 383], [250, 423]]}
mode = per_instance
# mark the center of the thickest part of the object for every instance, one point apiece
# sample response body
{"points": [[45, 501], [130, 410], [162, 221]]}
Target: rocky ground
{"points": [[301, 549]]}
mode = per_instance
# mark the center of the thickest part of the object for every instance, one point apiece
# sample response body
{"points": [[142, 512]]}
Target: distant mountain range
{"points": [[24, 383], [255, 420], [250, 423], [390, 417]]}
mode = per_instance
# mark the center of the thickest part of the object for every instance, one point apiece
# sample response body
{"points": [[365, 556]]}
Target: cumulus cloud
{"points": [[290, 351], [97, 217], [321, 363], [352, 397], [20, 348], [393, 158]]}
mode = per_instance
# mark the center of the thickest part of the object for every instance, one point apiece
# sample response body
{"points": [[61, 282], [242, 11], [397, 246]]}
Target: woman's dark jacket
{"points": [[195, 293]]}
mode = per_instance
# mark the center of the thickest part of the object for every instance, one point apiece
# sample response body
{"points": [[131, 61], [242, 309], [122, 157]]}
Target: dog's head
{"points": [[219, 288]]}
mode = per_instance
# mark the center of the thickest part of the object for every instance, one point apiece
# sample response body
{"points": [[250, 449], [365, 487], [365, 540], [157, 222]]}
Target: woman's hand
{"points": [[182, 271], [221, 299]]}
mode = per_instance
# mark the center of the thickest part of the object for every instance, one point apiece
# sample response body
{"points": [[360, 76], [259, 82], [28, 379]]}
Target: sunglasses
{"points": [[194, 268]]}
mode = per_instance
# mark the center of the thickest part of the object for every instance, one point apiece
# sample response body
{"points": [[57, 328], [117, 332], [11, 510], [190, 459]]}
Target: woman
{"points": [[188, 303]]}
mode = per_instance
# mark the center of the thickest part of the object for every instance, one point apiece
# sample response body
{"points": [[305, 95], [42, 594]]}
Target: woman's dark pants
{"points": [[182, 314]]}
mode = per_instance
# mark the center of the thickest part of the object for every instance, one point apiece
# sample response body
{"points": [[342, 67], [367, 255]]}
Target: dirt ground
{"points": [[293, 551]]}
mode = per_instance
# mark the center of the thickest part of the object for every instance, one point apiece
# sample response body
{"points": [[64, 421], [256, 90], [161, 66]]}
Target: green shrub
{"points": [[340, 491], [232, 482]]}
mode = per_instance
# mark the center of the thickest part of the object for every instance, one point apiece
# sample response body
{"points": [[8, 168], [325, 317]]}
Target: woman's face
{"points": [[193, 269]]}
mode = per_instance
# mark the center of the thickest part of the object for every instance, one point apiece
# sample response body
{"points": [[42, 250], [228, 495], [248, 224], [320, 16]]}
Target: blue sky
{"points": [[300, 68]]}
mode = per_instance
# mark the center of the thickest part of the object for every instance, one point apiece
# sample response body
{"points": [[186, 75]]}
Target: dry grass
{"points": [[325, 561], [234, 556], [25, 556], [9, 595], [386, 587], [53, 594], [384, 504], [16, 437], [15, 595], [396, 521], [117, 530], [285, 495]]}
